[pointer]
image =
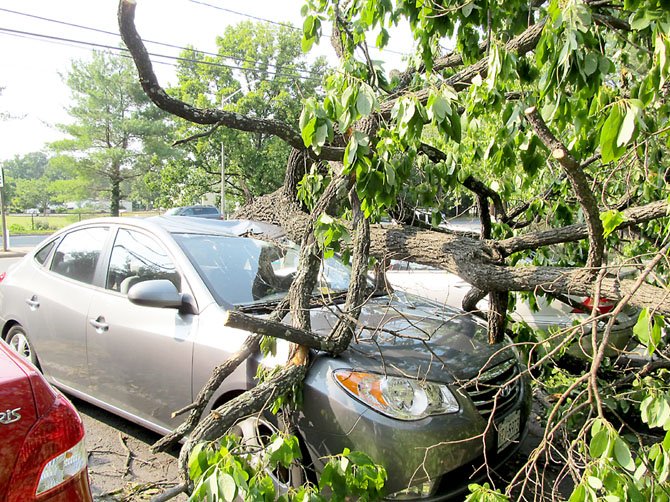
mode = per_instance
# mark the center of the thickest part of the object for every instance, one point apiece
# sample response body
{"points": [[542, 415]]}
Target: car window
{"points": [[42, 255], [242, 271], [135, 258], [205, 210], [78, 252]]}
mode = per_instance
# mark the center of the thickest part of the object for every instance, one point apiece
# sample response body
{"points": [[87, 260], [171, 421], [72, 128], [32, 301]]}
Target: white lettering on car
{"points": [[10, 416]]}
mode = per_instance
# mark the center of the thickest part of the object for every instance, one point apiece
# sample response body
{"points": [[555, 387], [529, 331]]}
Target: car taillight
{"points": [[586, 307], [63, 467], [2, 276], [51, 455]]}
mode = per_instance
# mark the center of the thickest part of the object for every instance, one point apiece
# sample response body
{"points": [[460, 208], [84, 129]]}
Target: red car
{"points": [[42, 453]]}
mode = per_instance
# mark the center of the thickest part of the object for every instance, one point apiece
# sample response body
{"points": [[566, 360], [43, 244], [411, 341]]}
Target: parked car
{"points": [[210, 212], [129, 315], [548, 314], [42, 457]]}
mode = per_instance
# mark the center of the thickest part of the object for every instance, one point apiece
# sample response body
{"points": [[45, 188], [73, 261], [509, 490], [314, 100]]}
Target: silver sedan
{"points": [[129, 315]]}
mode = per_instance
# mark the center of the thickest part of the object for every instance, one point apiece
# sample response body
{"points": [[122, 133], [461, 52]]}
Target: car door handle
{"points": [[33, 303], [99, 324]]}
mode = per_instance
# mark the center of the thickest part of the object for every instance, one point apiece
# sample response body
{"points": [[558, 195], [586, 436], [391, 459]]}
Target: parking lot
{"points": [[121, 464]]}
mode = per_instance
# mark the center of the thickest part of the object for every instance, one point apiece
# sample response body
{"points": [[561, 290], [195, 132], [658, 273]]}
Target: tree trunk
{"points": [[115, 200]]}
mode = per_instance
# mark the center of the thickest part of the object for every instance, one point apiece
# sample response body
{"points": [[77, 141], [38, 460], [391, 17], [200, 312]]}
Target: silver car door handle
{"points": [[99, 324], [33, 303]]}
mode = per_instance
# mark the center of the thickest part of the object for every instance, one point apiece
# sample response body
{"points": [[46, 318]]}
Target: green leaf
{"points": [[197, 462], [364, 103], [622, 455], [590, 64], [599, 444], [320, 135], [655, 411], [643, 330], [608, 135], [308, 132], [594, 482], [350, 152], [611, 221], [212, 486], [627, 128], [578, 494], [437, 107], [227, 487], [467, 8]]}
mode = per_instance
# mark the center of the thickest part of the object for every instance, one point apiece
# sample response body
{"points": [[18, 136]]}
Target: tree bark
{"points": [[580, 185]]}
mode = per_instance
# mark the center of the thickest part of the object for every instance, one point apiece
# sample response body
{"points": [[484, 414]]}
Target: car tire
{"points": [[18, 340], [254, 434]]}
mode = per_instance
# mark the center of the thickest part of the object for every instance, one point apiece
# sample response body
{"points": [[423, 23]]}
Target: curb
{"points": [[14, 253]]}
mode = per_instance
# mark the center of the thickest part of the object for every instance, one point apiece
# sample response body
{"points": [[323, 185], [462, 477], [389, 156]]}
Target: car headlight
{"points": [[398, 397]]}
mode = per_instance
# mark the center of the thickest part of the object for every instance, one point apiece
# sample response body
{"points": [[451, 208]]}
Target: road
{"points": [[25, 241]]}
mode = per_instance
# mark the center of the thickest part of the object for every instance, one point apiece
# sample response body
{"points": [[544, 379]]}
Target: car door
{"points": [[139, 358], [58, 299]]}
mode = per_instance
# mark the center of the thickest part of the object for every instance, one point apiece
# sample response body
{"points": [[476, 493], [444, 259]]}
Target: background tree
{"points": [[116, 135], [259, 70], [563, 106], [38, 181]]}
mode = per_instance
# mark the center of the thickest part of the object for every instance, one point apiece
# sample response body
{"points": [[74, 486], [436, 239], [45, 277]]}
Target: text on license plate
{"points": [[508, 429]]}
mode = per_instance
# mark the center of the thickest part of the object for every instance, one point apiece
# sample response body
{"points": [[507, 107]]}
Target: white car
{"points": [[548, 314]]}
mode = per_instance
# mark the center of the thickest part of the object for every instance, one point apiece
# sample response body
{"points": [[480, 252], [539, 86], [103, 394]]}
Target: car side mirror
{"points": [[159, 293]]}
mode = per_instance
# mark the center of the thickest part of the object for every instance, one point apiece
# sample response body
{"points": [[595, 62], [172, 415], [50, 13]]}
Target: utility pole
{"points": [[223, 182], [224, 100]]}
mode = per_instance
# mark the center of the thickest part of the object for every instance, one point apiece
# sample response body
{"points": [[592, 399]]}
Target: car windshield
{"points": [[244, 271]]}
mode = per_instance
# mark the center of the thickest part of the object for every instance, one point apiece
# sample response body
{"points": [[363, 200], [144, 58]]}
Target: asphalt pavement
{"points": [[19, 245]]}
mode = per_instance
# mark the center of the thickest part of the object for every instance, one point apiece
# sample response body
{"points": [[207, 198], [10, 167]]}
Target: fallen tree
{"points": [[544, 77]]}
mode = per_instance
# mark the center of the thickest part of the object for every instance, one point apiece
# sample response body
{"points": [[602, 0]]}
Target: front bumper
{"points": [[442, 453]]}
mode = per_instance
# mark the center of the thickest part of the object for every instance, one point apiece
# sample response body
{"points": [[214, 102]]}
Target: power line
{"points": [[79, 46], [163, 44], [243, 14], [165, 56], [278, 23]]}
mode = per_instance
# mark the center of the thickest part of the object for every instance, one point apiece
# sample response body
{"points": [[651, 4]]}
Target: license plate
{"points": [[508, 429]]}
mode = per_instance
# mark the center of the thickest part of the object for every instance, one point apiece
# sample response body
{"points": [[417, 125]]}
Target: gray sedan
{"points": [[128, 314]]}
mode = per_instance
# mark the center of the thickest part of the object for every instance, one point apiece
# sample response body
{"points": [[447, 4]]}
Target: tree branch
{"points": [[572, 233], [205, 116], [580, 185]]}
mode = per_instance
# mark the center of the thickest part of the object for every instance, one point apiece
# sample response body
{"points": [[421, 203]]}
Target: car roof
{"points": [[238, 228], [191, 225]]}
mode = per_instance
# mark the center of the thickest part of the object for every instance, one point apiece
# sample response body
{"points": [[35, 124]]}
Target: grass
{"points": [[22, 224]]}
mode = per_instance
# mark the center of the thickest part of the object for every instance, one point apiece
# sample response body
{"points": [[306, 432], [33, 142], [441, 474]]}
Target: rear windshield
{"points": [[244, 271], [205, 210]]}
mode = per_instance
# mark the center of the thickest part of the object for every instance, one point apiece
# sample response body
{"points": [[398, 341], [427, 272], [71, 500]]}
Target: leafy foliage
{"points": [[229, 469], [272, 81], [598, 75]]}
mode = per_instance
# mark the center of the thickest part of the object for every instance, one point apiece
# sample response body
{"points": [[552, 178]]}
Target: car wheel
{"points": [[255, 436], [17, 339]]}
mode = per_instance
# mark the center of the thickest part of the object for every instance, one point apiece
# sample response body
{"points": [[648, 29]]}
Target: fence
{"points": [[37, 223]]}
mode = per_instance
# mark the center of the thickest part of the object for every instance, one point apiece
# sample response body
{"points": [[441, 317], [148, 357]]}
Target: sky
{"points": [[35, 53]]}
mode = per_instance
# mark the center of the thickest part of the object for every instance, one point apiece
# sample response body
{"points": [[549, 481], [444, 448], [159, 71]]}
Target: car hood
{"points": [[407, 335]]}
